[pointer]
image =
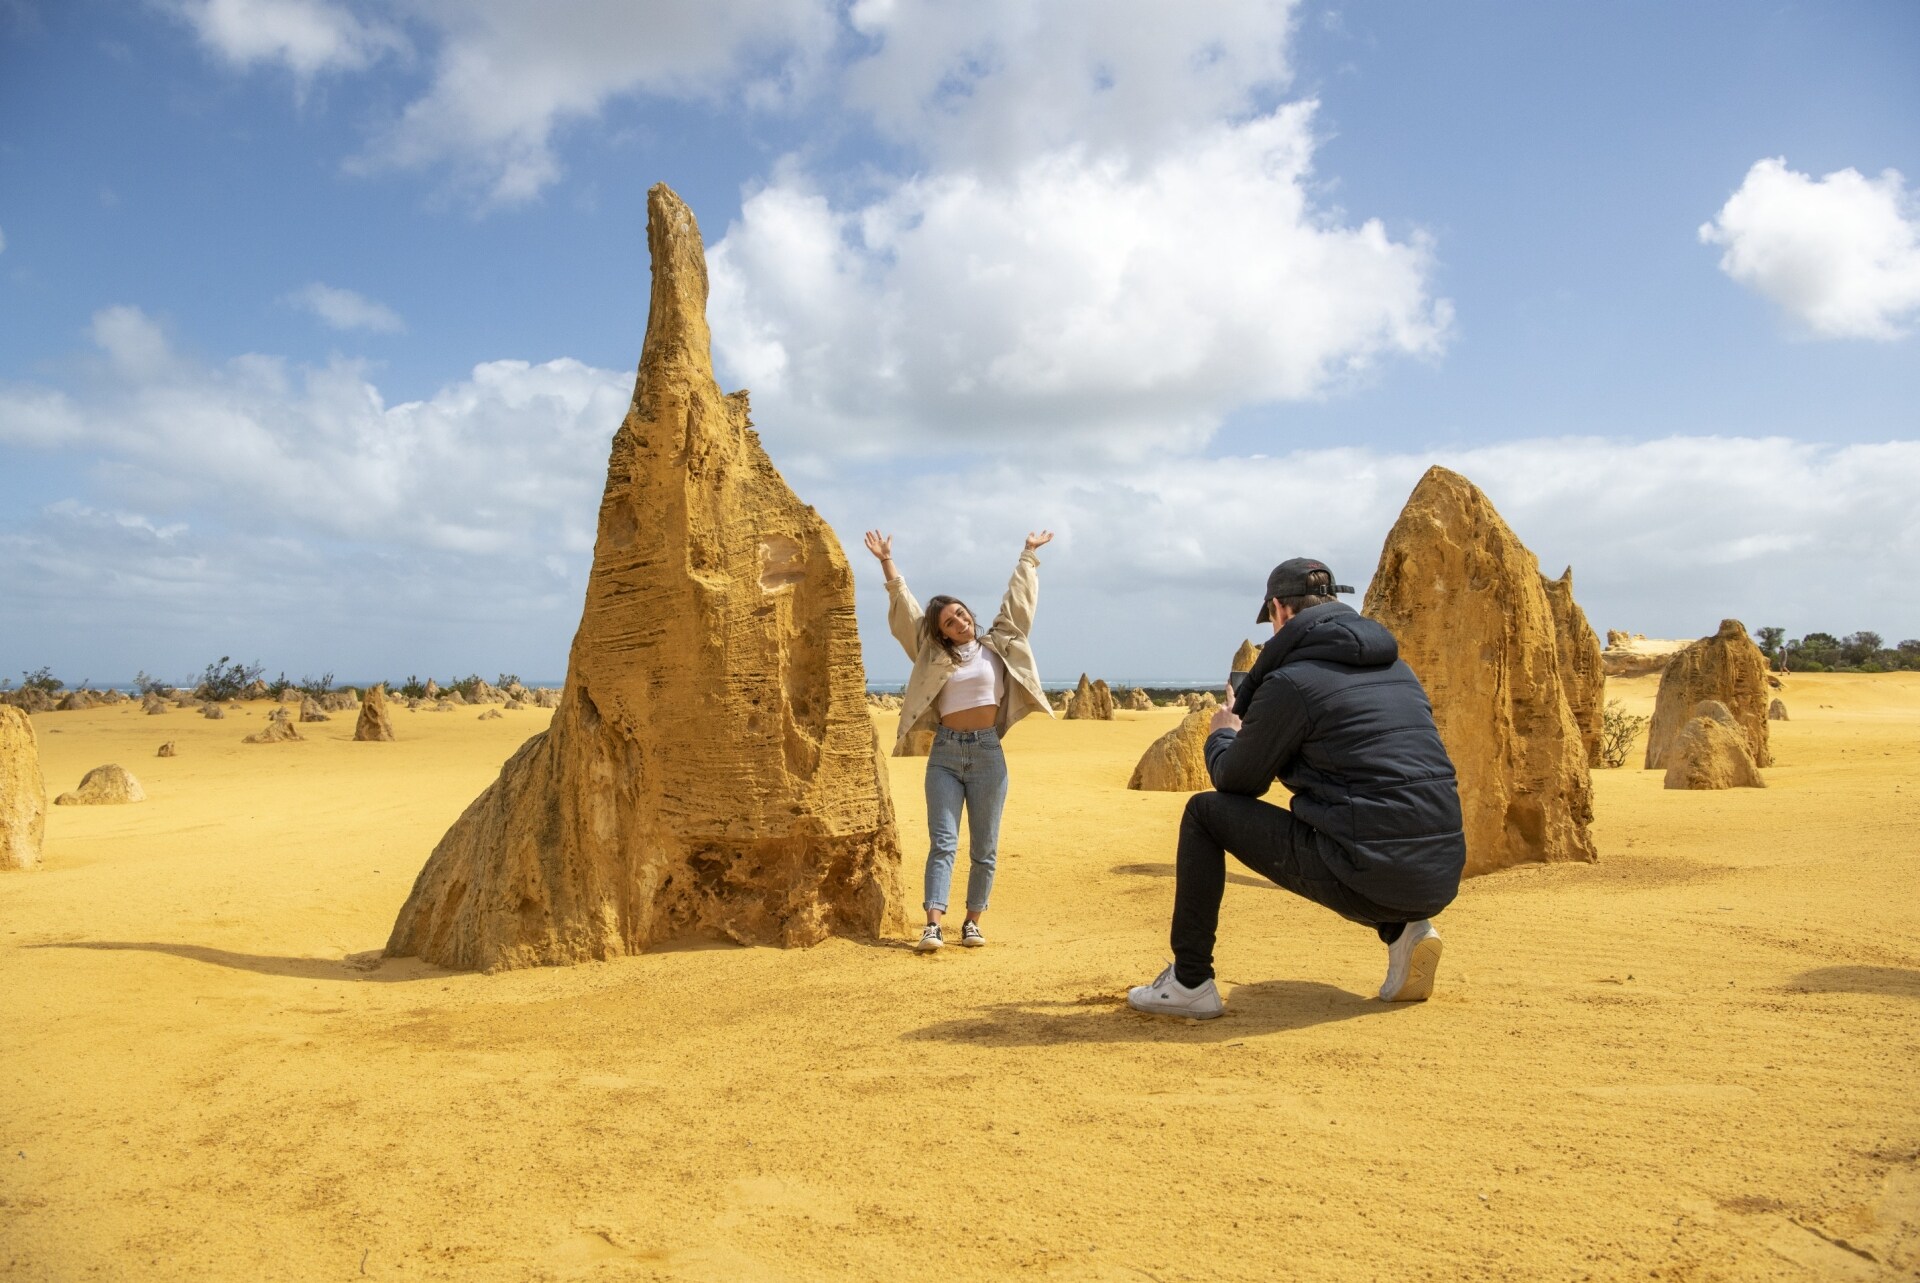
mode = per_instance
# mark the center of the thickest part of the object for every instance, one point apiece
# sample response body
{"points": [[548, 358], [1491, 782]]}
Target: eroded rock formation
{"points": [[917, 744], [375, 725], [711, 769], [108, 785], [1138, 701], [278, 730], [1777, 711], [1710, 752], [310, 710], [23, 792], [1177, 761], [168, 749], [1582, 675], [153, 704], [1726, 667], [1092, 701], [1467, 602], [1244, 657]]}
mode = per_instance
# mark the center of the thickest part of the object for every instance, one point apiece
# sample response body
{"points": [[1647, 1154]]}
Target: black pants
{"points": [[1270, 841]]}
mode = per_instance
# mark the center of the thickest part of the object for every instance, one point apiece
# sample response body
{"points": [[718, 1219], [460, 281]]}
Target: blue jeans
{"points": [[964, 766]]}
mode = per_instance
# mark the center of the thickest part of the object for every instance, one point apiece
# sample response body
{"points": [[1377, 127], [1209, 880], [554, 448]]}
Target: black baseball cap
{"points": [[1290, 579]]}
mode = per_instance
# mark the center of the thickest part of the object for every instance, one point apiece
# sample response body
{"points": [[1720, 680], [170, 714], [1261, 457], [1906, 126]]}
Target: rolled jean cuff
{"points": [[930, 907]]}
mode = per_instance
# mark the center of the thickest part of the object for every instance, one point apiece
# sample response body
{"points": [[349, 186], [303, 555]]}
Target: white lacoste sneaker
{"points": [[1411, 962], [1166, 996]]}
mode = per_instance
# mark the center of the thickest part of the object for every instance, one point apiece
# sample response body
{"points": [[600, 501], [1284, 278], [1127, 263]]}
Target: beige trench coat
{"points": [[932, 666]]}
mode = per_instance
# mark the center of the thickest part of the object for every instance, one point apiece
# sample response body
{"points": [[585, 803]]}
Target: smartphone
{"points": [[1234, 680]]}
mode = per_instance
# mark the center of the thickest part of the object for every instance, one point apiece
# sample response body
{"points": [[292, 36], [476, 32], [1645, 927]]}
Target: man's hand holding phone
{"points": [[1224, 718]]}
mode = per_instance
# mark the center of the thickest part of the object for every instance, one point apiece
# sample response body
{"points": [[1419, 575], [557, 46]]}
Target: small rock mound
{"points": [[491, 715], [1138, 701], [546, 698], [310, 711], [30, 699], [213, 711], [338, 701], [1727, 668], [74, 702], [374, 726], [108, 785], [1177, 761], [1710, 752], [153, 704], [1198, 701], [23, 791], [168, 750], [278, 730], [1092, 701], [1777, 711]]}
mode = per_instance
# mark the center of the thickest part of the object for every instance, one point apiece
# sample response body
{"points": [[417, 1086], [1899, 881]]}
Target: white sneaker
{"points": [[930, 940], [1411, 962], [1166, 996]]}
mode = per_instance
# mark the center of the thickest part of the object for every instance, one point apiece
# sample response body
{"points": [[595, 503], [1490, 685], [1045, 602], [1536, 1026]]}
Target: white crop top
{"points": [[979, 681]]}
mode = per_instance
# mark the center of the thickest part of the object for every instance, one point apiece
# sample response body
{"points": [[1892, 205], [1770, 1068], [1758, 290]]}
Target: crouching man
{"points": [[1373, 831]]}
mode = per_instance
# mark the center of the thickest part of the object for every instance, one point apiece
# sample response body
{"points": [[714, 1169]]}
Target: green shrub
{"points": [[145, 685], [1618, 730], [40, 679], [412, 688], [225, 679]]}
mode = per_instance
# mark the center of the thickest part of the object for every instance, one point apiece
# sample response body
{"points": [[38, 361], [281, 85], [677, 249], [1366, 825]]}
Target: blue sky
{"points": [[316, 317]]}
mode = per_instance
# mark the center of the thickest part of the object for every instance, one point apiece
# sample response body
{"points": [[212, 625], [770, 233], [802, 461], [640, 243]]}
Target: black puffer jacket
{"points": [[1331, 711]]}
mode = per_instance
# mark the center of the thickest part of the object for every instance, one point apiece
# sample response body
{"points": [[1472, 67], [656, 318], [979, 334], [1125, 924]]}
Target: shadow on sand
{"points": [[370, 965], [1269, 1007], [1902, 982], [1166, 870]]}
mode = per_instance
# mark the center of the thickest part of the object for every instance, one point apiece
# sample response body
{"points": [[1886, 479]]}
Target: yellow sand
{"points": [[1692, 1060]]}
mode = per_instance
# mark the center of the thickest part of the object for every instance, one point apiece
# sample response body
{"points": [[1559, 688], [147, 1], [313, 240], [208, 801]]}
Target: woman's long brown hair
{"points": [[930, 622]]}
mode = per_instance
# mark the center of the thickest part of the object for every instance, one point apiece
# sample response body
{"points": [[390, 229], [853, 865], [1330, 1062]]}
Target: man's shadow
{"points": [[371, 964], [1266, 1007], [1167, 870]]}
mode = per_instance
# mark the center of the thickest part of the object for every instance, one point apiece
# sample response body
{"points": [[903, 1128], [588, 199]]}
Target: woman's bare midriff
{"points": [[972, 719]]}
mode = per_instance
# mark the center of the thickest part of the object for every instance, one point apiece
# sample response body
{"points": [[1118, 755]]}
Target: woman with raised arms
{"points": [[968, 688]]}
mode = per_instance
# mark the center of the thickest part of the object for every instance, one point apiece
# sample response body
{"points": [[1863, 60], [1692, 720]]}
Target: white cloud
{"points": [[307, 36], [507, 75], [993, 83], [1840, 254], [1078, 301], [1665, 537], [503, 461], [346, 310]]}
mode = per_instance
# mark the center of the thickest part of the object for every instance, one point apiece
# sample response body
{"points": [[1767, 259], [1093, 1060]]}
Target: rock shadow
{"points": [[1166, 869], [1268, 1007], [1903, 982], [371, 964]]}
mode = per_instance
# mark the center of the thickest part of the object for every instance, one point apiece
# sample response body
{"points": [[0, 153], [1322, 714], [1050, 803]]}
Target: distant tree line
{"points": [[1861, 652]]}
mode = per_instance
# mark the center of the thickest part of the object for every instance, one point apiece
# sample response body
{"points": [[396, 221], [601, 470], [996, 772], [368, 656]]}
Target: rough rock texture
{"points": [[1710, 752], [310, 711], [1138, 701], [213, 711], [23, 791], [432, 690], [153, 704], [1466, 600], [1726, 667], [1244, 657], [278, 730], [452, 697], [1092, 701], [1636, 654], [1777, 711], [546, 698], [256, 689], [339, 701], [492, 715], [75, 701], [1198, 700], [107, 785], [374, 726], [1177, 761], [712, 769], [293, 695], [515, 705], [1582, 675], [168, 750], [918, 744], [485, 694], [30, 699]]}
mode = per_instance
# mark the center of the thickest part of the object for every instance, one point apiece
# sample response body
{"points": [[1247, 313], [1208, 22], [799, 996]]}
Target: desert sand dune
{"points": [[1692, 1059]]}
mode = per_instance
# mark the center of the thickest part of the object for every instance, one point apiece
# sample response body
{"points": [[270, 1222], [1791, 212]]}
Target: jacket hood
{"points": [[1332, 631]]}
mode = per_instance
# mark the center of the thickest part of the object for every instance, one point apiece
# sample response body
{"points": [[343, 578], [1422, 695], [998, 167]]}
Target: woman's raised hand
{"points": [[1033, 540], [880, 545]]}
